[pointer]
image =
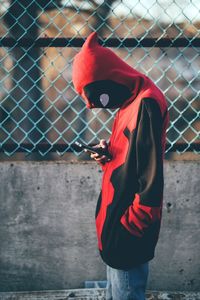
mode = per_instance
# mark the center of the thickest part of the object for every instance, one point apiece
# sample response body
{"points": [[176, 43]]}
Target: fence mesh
{"points": [[39, 109]]}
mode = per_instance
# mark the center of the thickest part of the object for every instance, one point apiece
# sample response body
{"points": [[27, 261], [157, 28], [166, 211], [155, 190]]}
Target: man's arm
{"points": [[147, 204]]}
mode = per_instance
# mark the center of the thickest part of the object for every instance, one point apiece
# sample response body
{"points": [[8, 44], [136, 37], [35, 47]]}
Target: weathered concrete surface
{"points": [[47, 230], [93, 294]]}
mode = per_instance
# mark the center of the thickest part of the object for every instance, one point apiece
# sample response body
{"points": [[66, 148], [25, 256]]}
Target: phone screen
{"points": [[83, 146]]}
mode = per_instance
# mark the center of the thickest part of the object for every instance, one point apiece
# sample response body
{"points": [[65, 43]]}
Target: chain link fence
{"points": [[39, 109]]}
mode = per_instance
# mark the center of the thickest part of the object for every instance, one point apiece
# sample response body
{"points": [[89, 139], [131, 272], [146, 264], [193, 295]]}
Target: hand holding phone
{"points": [[96, 151]]}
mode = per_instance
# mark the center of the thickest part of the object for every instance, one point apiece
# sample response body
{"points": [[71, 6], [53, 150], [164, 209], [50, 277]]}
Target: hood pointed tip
{"points": [[91, 41]]}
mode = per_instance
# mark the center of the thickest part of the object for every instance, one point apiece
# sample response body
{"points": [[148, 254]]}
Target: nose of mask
{"points": [[106, 94]]}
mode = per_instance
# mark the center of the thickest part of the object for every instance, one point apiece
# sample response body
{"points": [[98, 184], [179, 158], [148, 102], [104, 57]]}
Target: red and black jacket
{"points": [[128, 213]]}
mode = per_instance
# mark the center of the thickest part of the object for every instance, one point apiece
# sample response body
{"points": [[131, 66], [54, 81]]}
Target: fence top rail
{"points": [[110, 42]]}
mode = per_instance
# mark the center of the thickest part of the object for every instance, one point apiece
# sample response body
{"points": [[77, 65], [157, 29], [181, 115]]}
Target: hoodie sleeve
{"points": [[147, 204]]}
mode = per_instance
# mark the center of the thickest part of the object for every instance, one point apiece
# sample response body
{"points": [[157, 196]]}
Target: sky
{"points": [[163, 10]]}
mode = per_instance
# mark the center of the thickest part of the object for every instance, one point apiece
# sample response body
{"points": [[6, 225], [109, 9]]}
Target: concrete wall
{"points": [[47, 230]]}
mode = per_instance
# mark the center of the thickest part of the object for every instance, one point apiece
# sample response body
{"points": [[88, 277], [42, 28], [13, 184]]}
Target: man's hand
{"points": [[102, 159]]}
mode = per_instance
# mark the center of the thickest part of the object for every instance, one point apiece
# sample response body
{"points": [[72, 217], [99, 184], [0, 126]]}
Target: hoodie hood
{"points": [[96, 64]]}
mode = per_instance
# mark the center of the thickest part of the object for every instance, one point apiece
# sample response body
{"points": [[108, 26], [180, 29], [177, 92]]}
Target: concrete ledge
{"points": [[47, 227], [93, 294]]}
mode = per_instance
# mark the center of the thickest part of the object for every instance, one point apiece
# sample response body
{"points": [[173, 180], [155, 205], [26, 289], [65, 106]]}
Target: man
{"points": [[128, 212]]}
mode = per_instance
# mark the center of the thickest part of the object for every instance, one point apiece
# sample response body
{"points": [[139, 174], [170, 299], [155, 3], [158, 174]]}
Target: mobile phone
{"points": [[99, 151]]}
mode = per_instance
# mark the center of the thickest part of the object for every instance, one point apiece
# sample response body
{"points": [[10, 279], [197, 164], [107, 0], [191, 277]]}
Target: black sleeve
{"points": [[149, 153], [146, 206]]}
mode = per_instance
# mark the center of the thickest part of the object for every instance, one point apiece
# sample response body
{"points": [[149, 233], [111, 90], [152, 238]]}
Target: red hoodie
{"points": [[128, 212]]}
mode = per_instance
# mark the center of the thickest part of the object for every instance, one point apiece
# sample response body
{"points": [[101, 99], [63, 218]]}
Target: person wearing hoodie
{"points": [[129, 207]]}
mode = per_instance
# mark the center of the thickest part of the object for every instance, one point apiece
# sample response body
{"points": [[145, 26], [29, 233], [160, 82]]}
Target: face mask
{"points": [[106, 94]]}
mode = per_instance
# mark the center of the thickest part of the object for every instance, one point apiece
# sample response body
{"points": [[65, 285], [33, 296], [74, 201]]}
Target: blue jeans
{"points": [[127, 285]]}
